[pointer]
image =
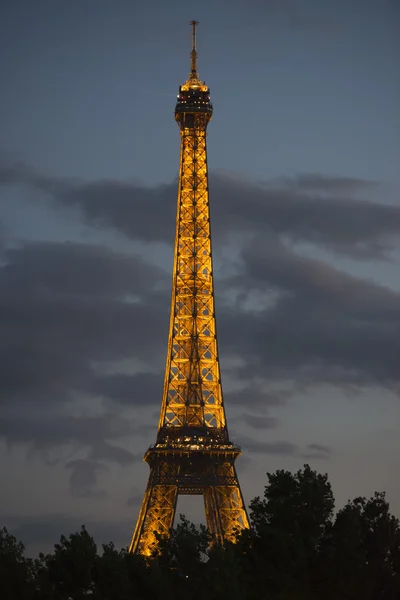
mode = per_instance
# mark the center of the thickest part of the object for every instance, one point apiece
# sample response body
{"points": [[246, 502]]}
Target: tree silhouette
{"points": [[296, 549]]}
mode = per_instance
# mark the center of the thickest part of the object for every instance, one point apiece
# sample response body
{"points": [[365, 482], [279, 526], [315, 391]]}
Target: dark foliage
{"points": [[296, 550]]}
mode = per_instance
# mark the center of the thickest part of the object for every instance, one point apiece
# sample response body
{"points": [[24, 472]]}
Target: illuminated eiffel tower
{"points": [[193, 453]]}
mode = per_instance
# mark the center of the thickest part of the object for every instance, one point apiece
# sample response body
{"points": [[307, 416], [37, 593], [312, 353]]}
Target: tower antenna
{"points": [[194, 53]]}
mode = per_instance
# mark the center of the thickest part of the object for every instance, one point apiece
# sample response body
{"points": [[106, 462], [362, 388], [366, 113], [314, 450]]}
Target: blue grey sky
{"points": [[304, 149], [298, 85]]}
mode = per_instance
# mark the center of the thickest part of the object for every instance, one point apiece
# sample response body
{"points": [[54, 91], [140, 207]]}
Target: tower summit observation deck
{"points": [[192, 454]]}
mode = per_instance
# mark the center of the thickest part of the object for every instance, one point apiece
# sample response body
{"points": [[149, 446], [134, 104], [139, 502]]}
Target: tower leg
{"points": [[225, 510], [157, 511]]}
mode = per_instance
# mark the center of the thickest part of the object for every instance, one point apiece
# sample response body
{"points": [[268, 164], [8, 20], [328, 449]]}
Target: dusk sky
{"points": [[303, 150]]}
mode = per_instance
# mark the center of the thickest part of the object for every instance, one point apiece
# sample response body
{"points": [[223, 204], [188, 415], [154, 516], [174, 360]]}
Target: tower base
{"points": [[208, 472]]}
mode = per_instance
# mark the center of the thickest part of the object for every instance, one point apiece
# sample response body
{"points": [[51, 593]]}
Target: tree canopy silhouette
{"points": [[296, 549]]}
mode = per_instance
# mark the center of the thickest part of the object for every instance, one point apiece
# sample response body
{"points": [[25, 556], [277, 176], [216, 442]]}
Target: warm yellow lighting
{"points": [[193, 454]]}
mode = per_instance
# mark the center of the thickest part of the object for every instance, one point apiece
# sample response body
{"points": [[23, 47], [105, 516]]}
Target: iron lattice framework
{"points": [[192, 454]]}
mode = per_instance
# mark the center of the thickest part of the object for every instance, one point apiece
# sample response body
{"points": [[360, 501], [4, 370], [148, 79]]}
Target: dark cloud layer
{"points": [[322, 183], [284, 448], [257, 421], [324, 326], [83, 478], [68, 311], [59, 437], [253, 394], [135, 498], [76, 269], [139, 389], [68, 308], [81, 323], [313, 208], [61, 313]]}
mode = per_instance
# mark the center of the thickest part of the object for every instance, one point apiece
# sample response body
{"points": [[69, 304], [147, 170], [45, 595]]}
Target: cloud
{"points": [[83, 325], [284, 448], [323, 326], [244, 463], [326, 184], [127, 207], [319, 448], [76, 269], [66, 321], [281, 448], [256, 421], [135, 498], [45, 431], [83, 478], [65, 308], [108, 452], [312, 208], [256, 393], [317, 451], [64, 428], [138, 389]]}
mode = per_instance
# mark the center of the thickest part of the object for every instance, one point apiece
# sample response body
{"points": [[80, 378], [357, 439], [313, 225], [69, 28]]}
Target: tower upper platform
{"points": [[194, 95]]}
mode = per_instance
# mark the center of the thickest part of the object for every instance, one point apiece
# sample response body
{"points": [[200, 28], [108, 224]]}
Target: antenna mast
{"points": [[194, 53]]}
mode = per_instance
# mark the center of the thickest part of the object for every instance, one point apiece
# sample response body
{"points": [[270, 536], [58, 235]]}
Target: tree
{"points": [[361, 553], [120, 575], [288, 525], [70, 568], [16, 571], [224, 573], [180, 562], [296, 550], [111, 574]]}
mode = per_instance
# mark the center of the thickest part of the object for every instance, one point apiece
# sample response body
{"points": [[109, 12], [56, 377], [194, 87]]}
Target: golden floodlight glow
{"points": [[192, 453]]}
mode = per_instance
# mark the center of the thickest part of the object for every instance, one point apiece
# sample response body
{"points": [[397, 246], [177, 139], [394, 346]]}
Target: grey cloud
{"points": [[253, 394], [138, 389], [325, 326], [256, 421], [67, 315], [284, 448], [125, 206], [275, 264], [326, 184], [19, 173], [83, 478], [319, 448], [244, 463], [108, 452], [135, 498], [281, 448], [46, 430], [70, 268], [359, 228], [61, 314], [57, 438], [356, 227], [317, 451], [310, 208]]}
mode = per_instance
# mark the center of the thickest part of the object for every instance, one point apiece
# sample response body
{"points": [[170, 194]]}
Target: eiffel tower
{"points": [[192, 453]]}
